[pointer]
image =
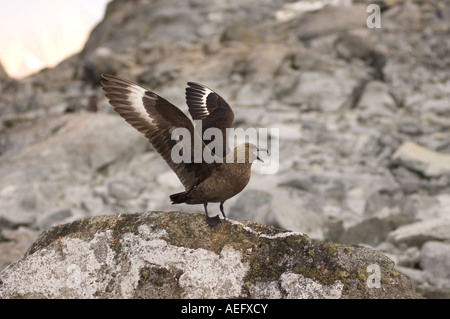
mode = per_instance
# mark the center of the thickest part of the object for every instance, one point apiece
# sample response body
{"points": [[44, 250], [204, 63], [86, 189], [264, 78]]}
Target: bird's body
{"points": [[224, 183], [157, 119]]}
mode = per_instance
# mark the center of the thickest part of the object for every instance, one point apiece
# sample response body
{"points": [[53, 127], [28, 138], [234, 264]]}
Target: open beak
{"points": [[261, 150]]}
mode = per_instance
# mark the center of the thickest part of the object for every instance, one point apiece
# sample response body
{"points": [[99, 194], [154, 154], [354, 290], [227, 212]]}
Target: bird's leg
{"points": [[211, 221], [221, 209]]}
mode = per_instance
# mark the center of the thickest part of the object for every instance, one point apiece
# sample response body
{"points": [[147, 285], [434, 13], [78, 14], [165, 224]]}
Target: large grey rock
{"points": [[425, 285], [14, 242], [349, 47], [64, 152], [331, 19], [377, 99], [307, 91], [427, 162], [285, 207], [415, 234], [176, 255], [253, 205], [369, 231], [436, 258]]}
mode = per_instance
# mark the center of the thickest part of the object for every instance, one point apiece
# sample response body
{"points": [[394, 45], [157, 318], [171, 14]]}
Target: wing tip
{"points": [[196, 85], [107, 77]]}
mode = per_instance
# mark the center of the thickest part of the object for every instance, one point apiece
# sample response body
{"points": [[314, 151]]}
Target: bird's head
{"points": [[247, 153]]}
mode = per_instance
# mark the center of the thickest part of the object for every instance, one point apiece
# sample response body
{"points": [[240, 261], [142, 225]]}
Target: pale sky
{"points": [[36, 34]]}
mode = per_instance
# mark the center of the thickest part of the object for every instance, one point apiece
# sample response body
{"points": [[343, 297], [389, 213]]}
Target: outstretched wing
{"points": [[209, 107], [156, 118]]}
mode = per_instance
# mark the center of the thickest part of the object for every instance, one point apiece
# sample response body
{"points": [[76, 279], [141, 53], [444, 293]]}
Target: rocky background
{"points": [[364, 119]]}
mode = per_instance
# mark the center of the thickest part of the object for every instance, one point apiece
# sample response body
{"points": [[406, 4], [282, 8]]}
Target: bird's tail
{"points": [[179, 198]]}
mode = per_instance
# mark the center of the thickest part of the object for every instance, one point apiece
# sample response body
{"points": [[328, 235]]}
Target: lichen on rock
{"points": [[176, 255]]}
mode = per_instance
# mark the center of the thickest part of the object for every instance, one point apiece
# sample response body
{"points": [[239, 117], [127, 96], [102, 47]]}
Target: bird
{"points": [[157, 118]]}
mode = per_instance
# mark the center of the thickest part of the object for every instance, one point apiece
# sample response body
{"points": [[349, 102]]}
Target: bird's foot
{"points": [[213, 221]]}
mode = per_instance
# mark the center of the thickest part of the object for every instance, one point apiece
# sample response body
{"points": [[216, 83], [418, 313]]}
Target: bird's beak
{"points": [[261, 150]]}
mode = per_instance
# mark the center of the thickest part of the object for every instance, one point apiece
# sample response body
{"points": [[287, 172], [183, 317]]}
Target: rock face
{"points": [[176, 255]]}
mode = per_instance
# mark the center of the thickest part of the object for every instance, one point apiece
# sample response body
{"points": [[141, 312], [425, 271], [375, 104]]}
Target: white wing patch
{"points": [[205, 93], [135, 97]]}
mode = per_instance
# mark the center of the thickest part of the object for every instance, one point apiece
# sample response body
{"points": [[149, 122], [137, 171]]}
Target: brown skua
{"points": [[157, 118]]}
